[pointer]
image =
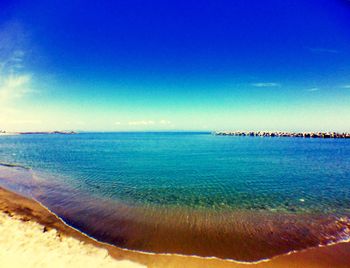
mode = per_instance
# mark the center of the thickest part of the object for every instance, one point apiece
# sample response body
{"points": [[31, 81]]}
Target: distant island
{"points": [[49, 132], [334, 135], [2, 132]]}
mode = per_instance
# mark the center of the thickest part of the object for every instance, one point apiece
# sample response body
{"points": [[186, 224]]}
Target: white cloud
{"points": [[14, 80], [266, 84], [117, 123], [164, 122], [147, 122], [14, 86], [346, 86], [313, 89], [141, 123]]}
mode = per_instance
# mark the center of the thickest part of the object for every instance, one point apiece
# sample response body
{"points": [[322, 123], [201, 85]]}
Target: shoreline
{"points": [[28, 211]]}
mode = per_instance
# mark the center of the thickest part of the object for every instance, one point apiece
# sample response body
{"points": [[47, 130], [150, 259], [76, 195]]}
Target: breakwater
{"points": [[334, 135]]}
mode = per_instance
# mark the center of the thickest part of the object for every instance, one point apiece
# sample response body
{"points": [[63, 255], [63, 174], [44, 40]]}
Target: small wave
{"points": [[158, 253], [345, 239], [14, 165]]}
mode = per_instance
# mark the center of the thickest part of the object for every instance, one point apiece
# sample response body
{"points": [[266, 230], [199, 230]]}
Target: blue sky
{"points": [[175, 65]]}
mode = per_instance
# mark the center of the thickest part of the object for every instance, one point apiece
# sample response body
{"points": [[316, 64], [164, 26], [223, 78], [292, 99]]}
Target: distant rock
{"points": [[325, 135], [49, 132]]}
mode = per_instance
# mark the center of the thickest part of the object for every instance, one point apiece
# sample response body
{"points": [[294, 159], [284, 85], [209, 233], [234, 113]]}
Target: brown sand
{"points": [[22, 212]]}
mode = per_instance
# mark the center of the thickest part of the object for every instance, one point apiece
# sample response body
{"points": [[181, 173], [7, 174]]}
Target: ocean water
{"points": [[240, 198]]}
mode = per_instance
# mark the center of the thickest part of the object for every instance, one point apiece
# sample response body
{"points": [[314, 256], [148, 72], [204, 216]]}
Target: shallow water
{"points": [[243, 198]]}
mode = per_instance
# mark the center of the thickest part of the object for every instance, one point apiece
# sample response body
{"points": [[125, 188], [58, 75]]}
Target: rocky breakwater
{"points": [[334, 135]]}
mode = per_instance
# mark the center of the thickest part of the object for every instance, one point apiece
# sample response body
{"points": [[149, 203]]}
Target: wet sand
{"points": [[18, 212]]}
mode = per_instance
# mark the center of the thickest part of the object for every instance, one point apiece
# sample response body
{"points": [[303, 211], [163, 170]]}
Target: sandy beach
{"points": [[175, 134], [31, 236]]}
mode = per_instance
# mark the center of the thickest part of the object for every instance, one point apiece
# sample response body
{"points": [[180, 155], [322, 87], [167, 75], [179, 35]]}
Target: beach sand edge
{"points": [[24, 212]]}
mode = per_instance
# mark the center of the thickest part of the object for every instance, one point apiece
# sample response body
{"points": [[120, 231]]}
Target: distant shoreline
{"points": [[8, 133], [4, 133], [325, 135]]}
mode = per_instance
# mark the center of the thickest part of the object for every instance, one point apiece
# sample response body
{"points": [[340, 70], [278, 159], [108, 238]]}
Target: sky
{"points": [[175, 65]]}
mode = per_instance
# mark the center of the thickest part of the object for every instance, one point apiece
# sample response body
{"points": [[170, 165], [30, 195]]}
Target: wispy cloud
{"points": [[323, 50], [141, 123], [14, 79], [164, 122], [14, 86], [313, 89], [266, 84], [146, 122], [346, 86]]}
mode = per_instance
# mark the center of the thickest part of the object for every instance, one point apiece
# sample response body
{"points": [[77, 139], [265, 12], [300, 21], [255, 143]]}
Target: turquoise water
{"points": [[214, 180]]}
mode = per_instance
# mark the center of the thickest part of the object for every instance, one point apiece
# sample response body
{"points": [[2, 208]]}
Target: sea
{"points": [[241, 198]]}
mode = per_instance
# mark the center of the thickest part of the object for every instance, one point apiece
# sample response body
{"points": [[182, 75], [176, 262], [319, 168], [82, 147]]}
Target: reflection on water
{"points": [[229, 197]]}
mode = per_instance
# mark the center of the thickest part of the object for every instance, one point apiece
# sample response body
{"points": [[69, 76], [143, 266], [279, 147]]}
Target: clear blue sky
{"points": [[175, 65]]}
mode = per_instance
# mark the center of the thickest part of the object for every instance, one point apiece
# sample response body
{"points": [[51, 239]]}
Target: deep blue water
{"points": [[194, 169], [195, 172]]}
